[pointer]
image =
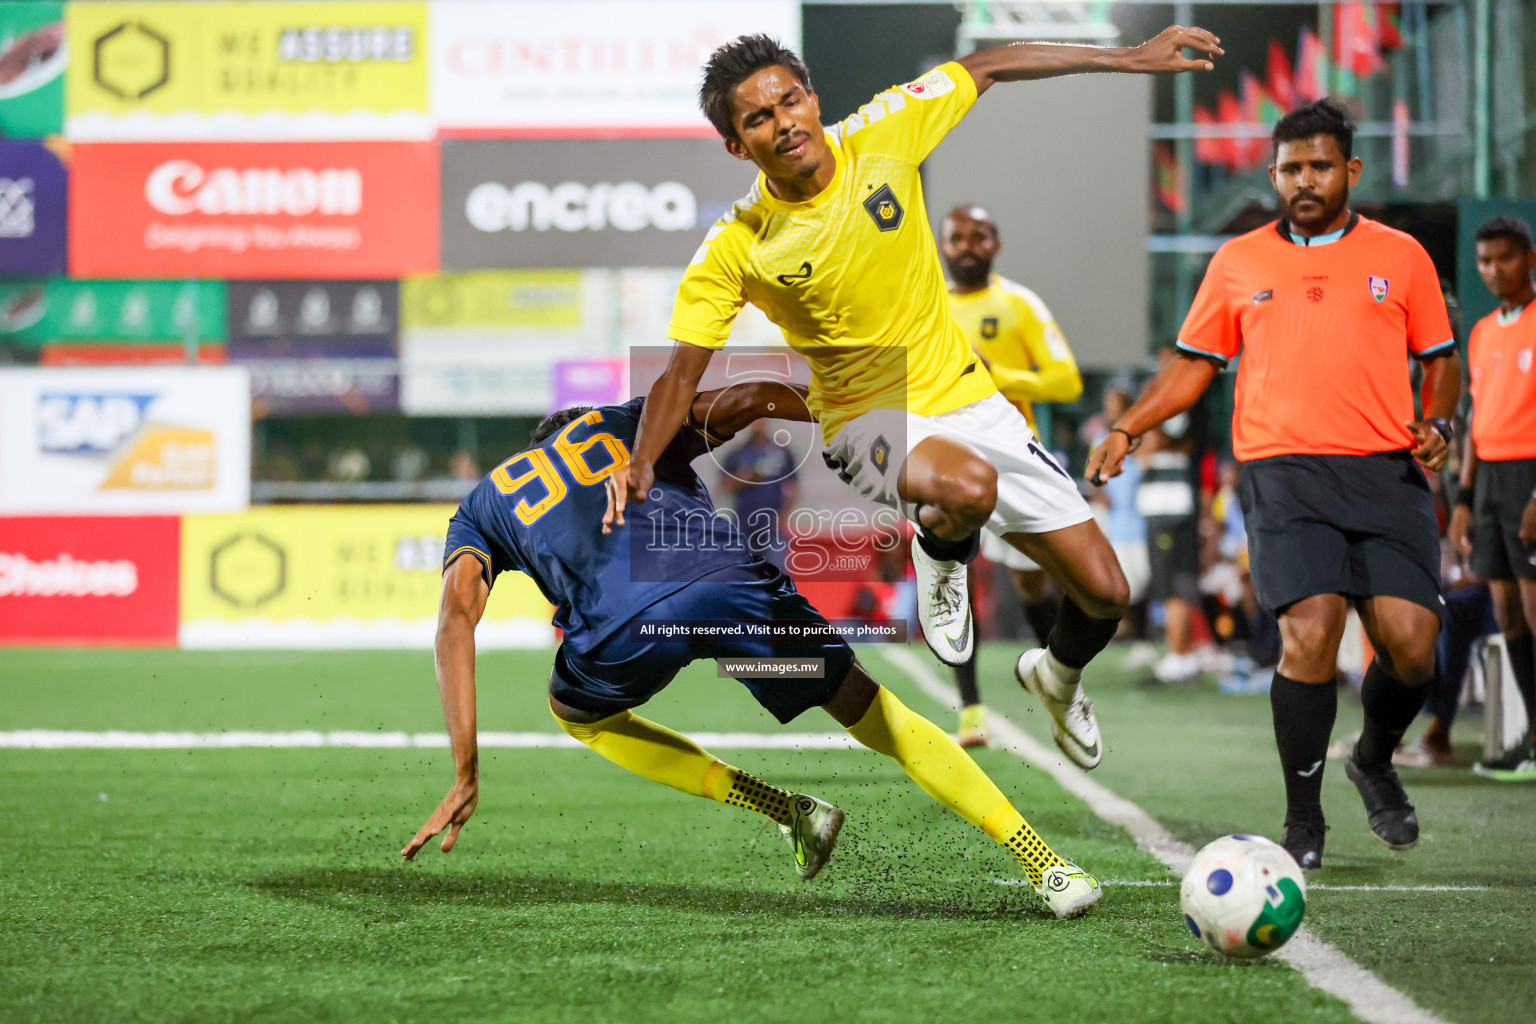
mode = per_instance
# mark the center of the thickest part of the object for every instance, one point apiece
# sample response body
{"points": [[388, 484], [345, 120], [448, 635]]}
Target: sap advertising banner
{"points": [[32, 192], [94, 441], [247, 210], [592, 68], [584, 203]]}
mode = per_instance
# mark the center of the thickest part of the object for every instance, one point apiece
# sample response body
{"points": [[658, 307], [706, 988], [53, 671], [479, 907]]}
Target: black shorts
{"points": [[623, 671], [1503, 490], [1357, 525], [1173, 558]]}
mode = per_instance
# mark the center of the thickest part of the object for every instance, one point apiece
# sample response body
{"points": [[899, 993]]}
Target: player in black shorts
{"points": [[553, 511], [1495, 520]]}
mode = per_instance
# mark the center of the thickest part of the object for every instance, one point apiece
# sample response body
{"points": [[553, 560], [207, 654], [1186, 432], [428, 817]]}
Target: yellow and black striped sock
{"points": [[735, 787], [1032, 853]]}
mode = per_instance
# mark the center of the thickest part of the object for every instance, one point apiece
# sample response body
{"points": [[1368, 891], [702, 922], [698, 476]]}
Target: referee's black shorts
{"points": [[1357, 525], [1503, 490]]}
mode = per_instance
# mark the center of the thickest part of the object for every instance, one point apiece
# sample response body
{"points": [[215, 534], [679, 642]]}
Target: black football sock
{"points": [[1077, 636], [1522, 656], [1390, 705], [939, 549], [1303, 714], [965, 679], [1041, 616]]}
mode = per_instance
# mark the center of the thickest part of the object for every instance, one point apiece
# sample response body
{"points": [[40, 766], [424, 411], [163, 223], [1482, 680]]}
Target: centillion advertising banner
{"points": [[141, 71], [111, 441], [338, 576]]}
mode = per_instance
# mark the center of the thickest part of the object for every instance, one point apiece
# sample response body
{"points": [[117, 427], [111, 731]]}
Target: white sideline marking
{"points": [[1323, 966], [1313, 887], [51, 739]]}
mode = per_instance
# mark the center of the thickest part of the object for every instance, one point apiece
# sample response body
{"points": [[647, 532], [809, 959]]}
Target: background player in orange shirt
{"points": [[1326, 307], [1495, 517]]}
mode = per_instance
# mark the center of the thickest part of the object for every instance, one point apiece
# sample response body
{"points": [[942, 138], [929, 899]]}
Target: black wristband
{"points": [[1464, 497], [1442, 427], [1133, 441]]}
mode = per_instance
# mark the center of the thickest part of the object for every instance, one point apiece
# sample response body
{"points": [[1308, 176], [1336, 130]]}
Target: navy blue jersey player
{"points": [[551, 511]]}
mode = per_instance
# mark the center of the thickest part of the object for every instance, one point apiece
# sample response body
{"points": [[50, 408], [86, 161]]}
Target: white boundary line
{"points": [[51, 739], [1173, 882], [1323, 966]]}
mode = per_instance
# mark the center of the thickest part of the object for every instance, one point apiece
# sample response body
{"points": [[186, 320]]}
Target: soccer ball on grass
{"points": [[1243, 896]]}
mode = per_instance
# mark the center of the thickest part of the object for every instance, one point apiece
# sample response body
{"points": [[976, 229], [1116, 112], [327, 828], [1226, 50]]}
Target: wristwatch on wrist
{"points": [[1442, 427]]}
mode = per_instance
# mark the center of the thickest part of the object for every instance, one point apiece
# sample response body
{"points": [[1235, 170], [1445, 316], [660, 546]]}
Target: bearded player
{"points": [[832, 244]]}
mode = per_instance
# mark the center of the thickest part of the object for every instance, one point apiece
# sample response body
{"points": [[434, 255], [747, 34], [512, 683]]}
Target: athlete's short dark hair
{"points": [[1512, 228], [734, 63], [1327, 116], [555, 420]]}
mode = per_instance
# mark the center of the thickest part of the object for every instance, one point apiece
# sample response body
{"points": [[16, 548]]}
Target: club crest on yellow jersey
{"points": [[883, 209], [989, 327]]}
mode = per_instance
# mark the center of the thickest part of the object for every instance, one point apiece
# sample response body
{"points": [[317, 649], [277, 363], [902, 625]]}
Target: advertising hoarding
{"points": [[249, 210], [124, 440], [33, 55], [342, 576], [89, 580], [154, 71], [33, 189]]}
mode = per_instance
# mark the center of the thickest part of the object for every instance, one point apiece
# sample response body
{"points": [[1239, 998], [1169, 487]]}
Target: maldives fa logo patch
{"points": [[883, 209], [1523, 360], [1378, 288]]}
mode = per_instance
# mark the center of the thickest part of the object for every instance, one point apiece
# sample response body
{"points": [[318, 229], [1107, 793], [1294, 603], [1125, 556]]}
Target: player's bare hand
{"points": [[1460, 530], [1164, 52], [642, 475], [1428, 446], [1527, 532], [617, 487], [1107, 460], [451, 814]]}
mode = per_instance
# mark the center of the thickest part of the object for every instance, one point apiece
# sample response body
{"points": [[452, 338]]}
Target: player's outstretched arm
{"points": [[464, 596], [665, 409], [1174, 390], [1162, 54], [727, 410]]}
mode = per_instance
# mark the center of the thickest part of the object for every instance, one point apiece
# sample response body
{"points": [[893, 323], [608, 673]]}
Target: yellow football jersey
{"points": [[851, 276], [1016, 336]]}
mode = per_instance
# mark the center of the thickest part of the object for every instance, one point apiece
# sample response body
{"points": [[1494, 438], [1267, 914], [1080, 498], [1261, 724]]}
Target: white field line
{"points": [[51, 739], [1170, 883], [1324, 967]]}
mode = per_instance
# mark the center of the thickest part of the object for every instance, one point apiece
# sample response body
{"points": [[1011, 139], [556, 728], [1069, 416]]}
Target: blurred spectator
{"points": [[1115, 506], [1168, 500], [411, 464], [462, 465], [349, 466], [759, 475]]}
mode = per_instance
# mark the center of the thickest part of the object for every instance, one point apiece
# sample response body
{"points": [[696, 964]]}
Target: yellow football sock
{"points": [[935, 762], [661, 755]]}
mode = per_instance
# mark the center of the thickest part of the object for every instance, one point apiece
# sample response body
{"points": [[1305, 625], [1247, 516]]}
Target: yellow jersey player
{"points": [[1018, 341], [831, 242]]}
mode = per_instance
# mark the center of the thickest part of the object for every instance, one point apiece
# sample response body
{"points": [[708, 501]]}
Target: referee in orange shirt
{"points": [[1495, 517], [1326, 307]]}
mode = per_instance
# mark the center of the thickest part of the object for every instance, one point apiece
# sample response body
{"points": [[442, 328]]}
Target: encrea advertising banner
{"points": [[112, 441], [584, 202], [96, 580], [247, 71], [586, 68], [247, 210], [33, 55], [339, 576]]}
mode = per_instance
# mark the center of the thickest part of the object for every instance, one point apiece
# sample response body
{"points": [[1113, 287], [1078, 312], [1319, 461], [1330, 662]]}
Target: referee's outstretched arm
{"points": [[1174, 390]]}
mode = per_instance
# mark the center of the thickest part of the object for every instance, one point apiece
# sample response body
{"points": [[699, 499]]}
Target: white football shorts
{"points": [[1034, 493]]}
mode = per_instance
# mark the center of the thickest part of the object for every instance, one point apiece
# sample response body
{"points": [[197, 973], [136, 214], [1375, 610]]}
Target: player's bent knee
{"points": [[970, 491]]}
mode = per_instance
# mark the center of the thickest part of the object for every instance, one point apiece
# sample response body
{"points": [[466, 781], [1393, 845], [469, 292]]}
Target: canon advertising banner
{"points": [[247, 210], [584, 203], [156, 440]]}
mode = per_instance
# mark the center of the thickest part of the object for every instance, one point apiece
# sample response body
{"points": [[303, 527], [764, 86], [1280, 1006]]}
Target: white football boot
{"points": [[812, 832], [1073, 724], [943, 607], [1068, 890]]}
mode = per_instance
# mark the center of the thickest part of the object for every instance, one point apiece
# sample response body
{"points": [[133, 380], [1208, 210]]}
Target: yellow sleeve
{"points": [[1046, 371], [713, 291], [910, 120]]}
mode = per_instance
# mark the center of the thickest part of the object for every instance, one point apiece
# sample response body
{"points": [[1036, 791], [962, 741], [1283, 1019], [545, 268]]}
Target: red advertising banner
{"points": [[253, 210], [96, 580]]}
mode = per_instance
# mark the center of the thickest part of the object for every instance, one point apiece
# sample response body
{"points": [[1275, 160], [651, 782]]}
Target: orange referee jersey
{"points": [[1325, 330], [1499, 354]]}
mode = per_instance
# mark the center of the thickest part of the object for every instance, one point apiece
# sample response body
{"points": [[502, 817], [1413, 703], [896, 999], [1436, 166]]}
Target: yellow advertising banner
{"points": [[243, 70], [537, 299], [334, 576]]}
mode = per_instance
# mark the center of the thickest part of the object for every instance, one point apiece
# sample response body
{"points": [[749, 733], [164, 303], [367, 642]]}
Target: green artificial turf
{"points": [[266, 885]]}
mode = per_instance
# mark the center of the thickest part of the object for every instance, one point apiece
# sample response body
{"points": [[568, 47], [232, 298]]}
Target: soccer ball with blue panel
{"points": [[1243, 896]]}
